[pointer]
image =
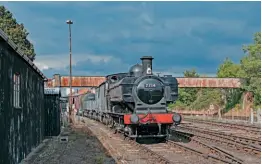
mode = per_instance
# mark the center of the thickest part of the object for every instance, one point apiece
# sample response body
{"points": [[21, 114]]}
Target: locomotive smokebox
{"points": [[147, 65]]}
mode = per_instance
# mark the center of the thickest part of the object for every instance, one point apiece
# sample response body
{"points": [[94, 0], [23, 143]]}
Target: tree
{"points": [[231, 96], [17, 33], [207, 96], [229, 69], [191, 73], [189, 95], [251, 66], [249, 69], [186, 95]]}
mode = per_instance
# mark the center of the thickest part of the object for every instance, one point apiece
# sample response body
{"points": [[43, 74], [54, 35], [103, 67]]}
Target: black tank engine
{"points": [[135, 103]]}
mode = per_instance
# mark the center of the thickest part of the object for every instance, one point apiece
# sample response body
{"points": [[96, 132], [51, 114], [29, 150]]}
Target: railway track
{"points": [[223, 140], [174, 151], [241, 120], [251, 129], [153, 156], [222, 122], [125, 150], [213, 151], [255, 142], [170, 151]]}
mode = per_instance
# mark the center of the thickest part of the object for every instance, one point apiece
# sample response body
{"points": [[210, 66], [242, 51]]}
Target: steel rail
{"points": [[251, 129], [216, 152], [235, 145]]}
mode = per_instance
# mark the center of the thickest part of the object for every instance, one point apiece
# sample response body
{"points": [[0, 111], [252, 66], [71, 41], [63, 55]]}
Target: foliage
{"points": [[17, 33], [177, 105], [191, 73], [233, 98], [206, 97], [195, 98], [229, 69], [249, 68], [99, 159], [188, 95]]}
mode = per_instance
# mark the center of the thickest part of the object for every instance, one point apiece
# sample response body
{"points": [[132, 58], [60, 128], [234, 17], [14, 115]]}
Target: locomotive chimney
{"points": [[147, 65]]}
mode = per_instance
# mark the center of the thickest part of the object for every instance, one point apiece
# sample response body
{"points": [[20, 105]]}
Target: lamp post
{"points": [[69, 22]]}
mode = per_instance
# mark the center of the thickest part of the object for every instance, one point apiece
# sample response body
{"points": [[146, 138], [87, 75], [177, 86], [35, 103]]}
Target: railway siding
{"points": [[123, 151], [210, 151], [196, 151], [128, 151], [246, 148], [253, 131], [249, 142]]}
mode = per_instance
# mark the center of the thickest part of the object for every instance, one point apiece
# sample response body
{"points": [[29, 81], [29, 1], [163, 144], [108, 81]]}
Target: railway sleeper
{"points": [[197, 152], [152, 154], [227, 137], [252, 130], [226, 156], [236, 146]]}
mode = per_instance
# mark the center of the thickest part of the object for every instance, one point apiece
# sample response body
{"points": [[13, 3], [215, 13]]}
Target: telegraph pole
{"points": [[71, 119]]}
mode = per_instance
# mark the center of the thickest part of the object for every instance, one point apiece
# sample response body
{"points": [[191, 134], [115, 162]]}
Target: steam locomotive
{"points": [[135, 103]]}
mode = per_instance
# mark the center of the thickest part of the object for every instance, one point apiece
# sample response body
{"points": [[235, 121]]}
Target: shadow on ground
{"points": [[80, 148], [174, 137]]}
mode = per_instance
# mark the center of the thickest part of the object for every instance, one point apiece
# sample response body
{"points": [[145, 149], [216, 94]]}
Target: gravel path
{"points": [[81, 148]]}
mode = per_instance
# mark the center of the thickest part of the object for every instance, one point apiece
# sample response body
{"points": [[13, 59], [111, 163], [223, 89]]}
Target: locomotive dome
{"points": [[136, 70]]}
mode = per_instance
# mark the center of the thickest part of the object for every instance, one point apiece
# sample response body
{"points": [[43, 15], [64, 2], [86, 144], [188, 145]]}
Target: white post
{"points": [[78, 116], [252, 116]]}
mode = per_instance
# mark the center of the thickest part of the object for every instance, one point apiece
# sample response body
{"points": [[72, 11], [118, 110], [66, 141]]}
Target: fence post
{"points": [[252, 116], [78, 116]]}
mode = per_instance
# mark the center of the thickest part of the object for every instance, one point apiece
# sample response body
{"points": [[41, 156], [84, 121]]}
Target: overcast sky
{"points": [[109, 37]]}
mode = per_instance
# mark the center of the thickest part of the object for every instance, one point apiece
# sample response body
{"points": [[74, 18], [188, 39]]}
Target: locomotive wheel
{"points": [[101, 118], [107, 120], [110, 122]]}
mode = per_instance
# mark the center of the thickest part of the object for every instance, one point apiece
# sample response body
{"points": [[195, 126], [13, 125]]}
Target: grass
{"points": [[99, 159]]}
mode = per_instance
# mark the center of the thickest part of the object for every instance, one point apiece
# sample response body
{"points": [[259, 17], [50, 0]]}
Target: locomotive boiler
{"points": [[135, 103]]}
